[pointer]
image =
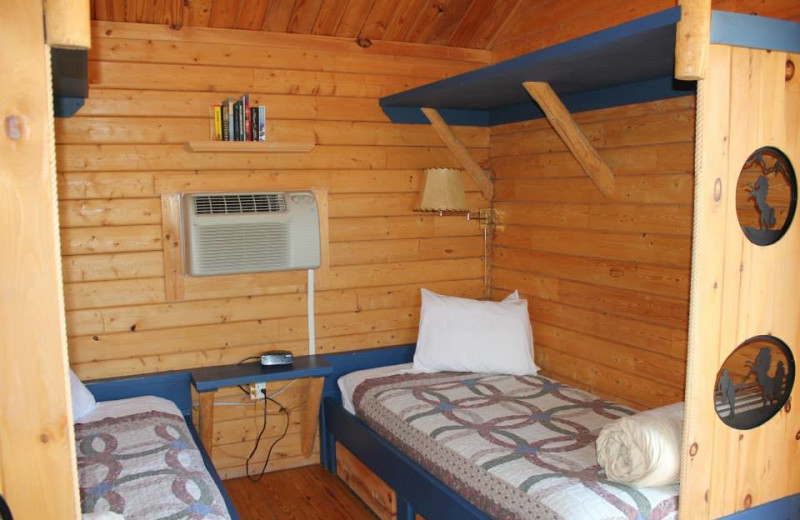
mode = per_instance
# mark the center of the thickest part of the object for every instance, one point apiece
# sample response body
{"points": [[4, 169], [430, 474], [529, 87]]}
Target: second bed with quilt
{"points": [[515, 447]]}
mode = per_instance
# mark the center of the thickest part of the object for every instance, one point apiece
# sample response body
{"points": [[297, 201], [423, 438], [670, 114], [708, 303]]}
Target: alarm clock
{"points": [[277, 357]]}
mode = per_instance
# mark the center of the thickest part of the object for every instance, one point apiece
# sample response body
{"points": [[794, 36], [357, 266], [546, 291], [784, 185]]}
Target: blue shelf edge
{"points": [[756, 32], [595, 71]]}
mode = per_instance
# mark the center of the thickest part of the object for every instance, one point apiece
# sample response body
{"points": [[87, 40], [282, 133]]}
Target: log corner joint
{"points": [[693, 39], [483, 178], [575, 140]]}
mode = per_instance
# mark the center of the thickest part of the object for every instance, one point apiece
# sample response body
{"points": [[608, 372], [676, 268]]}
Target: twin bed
{"points": [[139, 455], [466, 445]]}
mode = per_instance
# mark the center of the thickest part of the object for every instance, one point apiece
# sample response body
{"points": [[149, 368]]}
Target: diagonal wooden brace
{"points": [[481, 177], [566, 127]]}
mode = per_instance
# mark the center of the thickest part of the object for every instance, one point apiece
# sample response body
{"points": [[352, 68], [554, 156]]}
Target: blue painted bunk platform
{"points": [[630, 63]]}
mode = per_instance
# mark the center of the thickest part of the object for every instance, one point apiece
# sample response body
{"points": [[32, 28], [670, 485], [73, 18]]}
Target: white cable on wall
{"points": [[312, 343]]}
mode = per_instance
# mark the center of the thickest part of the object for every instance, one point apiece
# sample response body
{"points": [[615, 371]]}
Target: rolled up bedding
{"points": [[643, 450]]}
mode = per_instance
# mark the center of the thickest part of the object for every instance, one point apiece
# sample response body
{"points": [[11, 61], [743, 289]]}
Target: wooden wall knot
{"points": [[693, 449], [789, 70], [748, 501]]}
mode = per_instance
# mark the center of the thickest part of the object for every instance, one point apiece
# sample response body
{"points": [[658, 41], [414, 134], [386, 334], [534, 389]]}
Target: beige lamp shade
{"points": [[443, 191]]}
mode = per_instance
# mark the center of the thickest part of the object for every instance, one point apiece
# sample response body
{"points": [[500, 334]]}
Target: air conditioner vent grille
{"points": [[239, 203], [230, 233]]}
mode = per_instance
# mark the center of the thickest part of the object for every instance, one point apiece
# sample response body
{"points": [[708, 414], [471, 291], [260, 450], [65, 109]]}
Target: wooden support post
{"points": [[693, 39], [38, 472], [67, 24], [171, 242], [207, 420], [311, 414], [563, 123], [481, 177]]}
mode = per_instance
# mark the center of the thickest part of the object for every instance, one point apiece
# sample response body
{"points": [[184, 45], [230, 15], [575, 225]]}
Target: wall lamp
{"points": [[443, 192]]}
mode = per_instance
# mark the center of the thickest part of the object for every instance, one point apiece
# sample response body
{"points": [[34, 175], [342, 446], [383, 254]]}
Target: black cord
{"points": [[258, 440], [263, 428], [245, 360]]}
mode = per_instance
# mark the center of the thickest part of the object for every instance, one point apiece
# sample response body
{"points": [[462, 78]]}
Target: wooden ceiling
{"points": [[459, 23]]}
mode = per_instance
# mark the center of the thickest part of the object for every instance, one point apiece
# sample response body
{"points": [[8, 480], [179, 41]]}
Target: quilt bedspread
{"points": [[145, 466], [516, 447]]}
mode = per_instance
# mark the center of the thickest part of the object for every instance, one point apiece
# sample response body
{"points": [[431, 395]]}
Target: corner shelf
{"points": [[250, 146]]}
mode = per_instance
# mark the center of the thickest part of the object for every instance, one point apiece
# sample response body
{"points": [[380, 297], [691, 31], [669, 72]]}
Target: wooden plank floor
{"points": [[308, 493]]}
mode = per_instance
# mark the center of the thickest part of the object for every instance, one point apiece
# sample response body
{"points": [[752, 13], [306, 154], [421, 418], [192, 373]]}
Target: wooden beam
{"points": [[481, 177], [566, 127], [693, 39], [171, 237], [311, 414], [207, 420], [67, 24]]}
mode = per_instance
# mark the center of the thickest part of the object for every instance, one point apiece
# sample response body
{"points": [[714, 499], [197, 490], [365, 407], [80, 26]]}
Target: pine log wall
{"points": [[151, 89], [607, 279]]}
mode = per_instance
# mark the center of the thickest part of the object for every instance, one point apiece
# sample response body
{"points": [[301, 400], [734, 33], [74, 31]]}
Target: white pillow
{"points": [[83, 401], [463, 335], [511, 297]]}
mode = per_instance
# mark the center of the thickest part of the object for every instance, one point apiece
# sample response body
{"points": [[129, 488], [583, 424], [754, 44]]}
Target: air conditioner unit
{"points": [[228, 233]]}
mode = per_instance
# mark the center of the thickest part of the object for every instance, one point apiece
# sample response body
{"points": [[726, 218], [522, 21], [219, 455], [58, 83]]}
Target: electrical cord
{"points": [[282, 409], [258, 440]]}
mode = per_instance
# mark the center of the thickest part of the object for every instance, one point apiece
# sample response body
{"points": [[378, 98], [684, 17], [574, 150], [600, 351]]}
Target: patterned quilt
{"points": [[515, 447], [145, 466]]}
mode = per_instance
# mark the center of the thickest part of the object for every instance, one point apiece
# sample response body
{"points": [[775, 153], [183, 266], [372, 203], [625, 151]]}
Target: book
{"points": [[230, 118], [226, 121], [246, 117], [262, 123], [241, 121], [217, 133], [236, 125], [254, 123]]}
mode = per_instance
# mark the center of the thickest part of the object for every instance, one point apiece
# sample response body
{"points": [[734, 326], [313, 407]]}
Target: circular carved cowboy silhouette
{"points": [[766, 196], [754, 382]]}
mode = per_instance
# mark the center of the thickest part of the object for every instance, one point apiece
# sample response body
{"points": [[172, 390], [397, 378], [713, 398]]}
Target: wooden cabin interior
{"points": [[93, 275]]}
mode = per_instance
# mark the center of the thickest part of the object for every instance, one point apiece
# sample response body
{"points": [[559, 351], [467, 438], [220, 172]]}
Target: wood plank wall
{"points": [[536, 25], [151, 89], [607, 280]]}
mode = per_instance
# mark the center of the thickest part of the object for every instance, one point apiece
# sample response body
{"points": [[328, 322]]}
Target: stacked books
{"points": [[237, 120]]}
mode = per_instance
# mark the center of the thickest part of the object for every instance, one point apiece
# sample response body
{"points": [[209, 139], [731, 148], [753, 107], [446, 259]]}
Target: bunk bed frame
{"points": [[174, 386], [631, 63]]}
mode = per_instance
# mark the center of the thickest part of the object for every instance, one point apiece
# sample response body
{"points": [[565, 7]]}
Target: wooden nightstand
{"points": [[208, 380]]}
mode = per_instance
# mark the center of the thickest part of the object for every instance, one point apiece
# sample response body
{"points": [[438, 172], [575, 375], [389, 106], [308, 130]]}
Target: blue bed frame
{"points": [[417, 490], [174, 386]]}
